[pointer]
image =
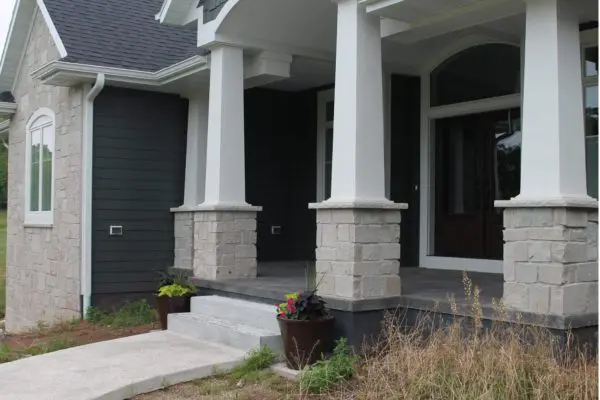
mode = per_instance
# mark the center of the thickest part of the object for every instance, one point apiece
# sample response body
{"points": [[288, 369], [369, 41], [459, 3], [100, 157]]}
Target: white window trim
{"points": [[323, 98], [38, 218], [428, 115]]}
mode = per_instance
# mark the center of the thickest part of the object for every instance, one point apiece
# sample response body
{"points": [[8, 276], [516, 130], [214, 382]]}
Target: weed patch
{"points": [[325, 374], [256, 361], [131, 314]]}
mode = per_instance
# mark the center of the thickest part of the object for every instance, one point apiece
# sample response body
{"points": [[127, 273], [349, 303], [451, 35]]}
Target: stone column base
{"points": [[551, 260], [217, 243], [358, 251]]}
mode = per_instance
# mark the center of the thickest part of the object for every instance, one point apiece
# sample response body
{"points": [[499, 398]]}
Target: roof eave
{"points": [[61, 73], [7, 109]]}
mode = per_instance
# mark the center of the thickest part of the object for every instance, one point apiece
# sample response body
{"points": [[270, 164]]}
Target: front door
{"points": [[477, 161]]}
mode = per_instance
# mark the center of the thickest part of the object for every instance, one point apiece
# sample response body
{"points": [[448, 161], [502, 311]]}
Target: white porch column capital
{"points": [[553, 156], [225, 174], [358, 173]]}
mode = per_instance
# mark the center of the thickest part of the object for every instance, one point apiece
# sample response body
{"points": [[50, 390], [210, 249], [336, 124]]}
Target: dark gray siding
{"points": [[138, 175], [280, 140], [405, 151]]}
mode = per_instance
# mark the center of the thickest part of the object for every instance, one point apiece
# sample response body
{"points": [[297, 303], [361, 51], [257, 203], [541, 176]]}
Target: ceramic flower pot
{"points": [[171, 305], [304, 342]]}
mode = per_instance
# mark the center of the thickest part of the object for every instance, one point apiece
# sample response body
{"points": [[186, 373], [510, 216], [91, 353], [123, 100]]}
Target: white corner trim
{"points": [[86, 192], [53, 32]]}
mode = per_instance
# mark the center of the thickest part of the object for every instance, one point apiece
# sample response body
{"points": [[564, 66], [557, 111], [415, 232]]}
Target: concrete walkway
{"points": [[115, 369]]}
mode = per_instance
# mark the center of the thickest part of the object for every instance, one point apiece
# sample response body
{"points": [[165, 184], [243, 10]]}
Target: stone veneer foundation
{"points": [[551, 260], [358, 253], [216, 244]]}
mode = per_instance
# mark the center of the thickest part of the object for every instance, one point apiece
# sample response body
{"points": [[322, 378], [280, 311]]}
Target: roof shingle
{"points": [[120, 33]]}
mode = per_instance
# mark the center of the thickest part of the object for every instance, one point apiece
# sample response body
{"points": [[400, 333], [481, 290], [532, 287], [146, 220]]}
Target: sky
{"points": [[6, 10]]}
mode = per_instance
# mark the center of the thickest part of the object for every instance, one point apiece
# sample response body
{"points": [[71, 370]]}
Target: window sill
{"points": [[39, 220]]}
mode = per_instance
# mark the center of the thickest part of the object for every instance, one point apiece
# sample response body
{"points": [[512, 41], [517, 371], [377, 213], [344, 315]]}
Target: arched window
{"points": [[39, 180], [484, 71]]}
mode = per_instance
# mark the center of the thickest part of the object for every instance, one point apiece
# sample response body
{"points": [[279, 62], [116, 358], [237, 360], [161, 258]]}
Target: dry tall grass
{"points": [[454, 363]]}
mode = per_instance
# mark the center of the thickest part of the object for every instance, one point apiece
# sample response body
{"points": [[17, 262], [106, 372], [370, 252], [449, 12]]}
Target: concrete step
{"points": [[229, 332], [259, 315]]}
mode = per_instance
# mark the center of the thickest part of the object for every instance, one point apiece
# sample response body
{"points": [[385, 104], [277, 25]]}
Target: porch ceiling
{"points": [[306, 27]]}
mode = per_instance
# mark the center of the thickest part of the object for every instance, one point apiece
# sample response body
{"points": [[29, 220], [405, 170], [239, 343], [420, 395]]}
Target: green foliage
{"points": [[256, 361], [326, 373], [175, 290], [57, 343], [131, 314], [171, 278]]}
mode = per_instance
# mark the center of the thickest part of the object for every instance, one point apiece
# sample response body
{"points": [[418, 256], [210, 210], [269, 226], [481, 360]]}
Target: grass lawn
{"points": [[2, 262]]}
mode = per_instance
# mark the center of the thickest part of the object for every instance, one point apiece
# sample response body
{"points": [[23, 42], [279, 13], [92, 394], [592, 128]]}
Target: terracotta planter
{"points": [[305, 341], [171, 305]]}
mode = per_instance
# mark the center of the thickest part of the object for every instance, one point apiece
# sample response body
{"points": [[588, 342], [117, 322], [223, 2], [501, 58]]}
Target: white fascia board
{"points": [[53, 32], [7, 109], [88, 73], [179, 12], [16, 41]]}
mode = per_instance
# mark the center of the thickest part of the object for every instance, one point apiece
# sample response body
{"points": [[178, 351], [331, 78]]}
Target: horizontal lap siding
{"points": [[138, 175]]}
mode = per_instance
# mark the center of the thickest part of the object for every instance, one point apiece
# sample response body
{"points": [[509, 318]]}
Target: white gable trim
{"points": [[17, 38], [53, 32]]}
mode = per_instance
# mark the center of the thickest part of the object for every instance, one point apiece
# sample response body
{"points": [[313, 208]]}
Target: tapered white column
{"points": [[225, 175], [195, 160], [358, 140], [553, 157]]}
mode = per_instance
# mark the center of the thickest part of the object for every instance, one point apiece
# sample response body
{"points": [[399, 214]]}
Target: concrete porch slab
{"points": [[115, 369]]}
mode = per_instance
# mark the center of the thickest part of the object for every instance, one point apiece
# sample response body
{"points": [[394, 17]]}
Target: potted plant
{"points": [[173, 296], [306, 328]]}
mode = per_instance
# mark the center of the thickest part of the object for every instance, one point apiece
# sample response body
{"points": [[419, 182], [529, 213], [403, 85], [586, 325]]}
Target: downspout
{"points": [[86, 194]]}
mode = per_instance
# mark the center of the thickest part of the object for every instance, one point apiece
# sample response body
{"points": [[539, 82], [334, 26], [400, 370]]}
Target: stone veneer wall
{"points": [[358, 253], [224, 244], [551, 260], [184, 239], [42, 276]]}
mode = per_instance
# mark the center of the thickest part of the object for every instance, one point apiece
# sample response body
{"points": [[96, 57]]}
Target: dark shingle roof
{"points": [[120, 33]]}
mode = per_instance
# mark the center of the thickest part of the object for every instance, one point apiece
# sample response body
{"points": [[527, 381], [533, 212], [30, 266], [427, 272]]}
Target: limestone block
{"points": [[526, 272], [539, 298], [516, 295], [571, 217]]}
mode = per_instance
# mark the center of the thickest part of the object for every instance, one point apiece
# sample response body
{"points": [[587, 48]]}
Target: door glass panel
{"points": [[507, 157], [591, 61]]}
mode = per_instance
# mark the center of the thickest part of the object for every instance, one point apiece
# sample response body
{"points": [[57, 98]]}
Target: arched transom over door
{"points": [[476, 124]]}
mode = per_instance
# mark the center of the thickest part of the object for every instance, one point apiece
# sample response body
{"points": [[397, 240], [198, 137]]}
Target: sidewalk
{"points": [[115, 369]]}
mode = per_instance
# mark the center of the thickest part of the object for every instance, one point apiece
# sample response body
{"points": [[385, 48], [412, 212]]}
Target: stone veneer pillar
{"points": [[216, 243], [358, 252], [551, 260]]}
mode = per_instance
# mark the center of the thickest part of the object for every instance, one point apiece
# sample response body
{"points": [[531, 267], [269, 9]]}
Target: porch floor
{"points": [[424, 289]]}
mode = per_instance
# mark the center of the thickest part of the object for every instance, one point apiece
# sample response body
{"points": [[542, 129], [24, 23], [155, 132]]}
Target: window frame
{"points": [[39, 218]]}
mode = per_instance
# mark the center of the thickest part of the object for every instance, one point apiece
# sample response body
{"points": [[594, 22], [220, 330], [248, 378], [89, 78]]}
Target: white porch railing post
{"points": [[551, 227], [225, 174], [553, 158], [358, 139], [195, 160]]}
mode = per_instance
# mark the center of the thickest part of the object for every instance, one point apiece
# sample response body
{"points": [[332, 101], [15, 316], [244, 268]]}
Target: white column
{"points": [[358, 173], [225, 175], [195, 160], [553, 157]]}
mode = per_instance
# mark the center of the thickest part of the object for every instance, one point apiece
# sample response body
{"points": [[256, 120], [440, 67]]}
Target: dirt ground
{"points": [[62, 336], [269, 387]]}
